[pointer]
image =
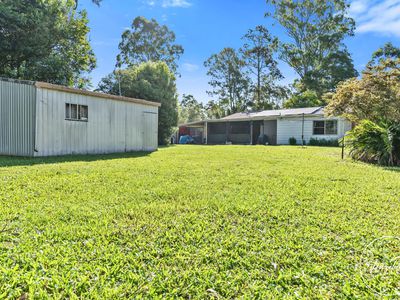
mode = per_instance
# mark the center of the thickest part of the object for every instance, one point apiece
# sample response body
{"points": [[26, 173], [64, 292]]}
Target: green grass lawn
{"points": [[198, 222]]}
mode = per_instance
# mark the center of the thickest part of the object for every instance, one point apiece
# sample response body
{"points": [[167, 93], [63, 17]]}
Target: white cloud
{"points": [[176, 3], [378, 16], [190, 67], [358, 7], [168, 3]]}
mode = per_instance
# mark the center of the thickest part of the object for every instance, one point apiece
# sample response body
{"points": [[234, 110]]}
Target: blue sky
{"points": [[204, 27]]}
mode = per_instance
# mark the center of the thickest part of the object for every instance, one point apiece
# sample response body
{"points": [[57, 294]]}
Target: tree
{"points": [[97, 2], [388, 55], [376, 95], [305, 99], [151, 81], [258, 52], [229, 80], [46, 41], [316, 52], [149, 41], [373, 104], [190, 110], [214, 110]]}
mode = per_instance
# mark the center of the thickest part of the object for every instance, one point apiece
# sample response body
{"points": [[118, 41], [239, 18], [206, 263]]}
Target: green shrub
{"points": [[375, 143], [324, 142], [292, 141]]}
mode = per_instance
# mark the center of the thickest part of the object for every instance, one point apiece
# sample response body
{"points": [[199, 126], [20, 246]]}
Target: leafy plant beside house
{"points": [[292, 141], [324, 142], [375, 143], [373, 103]]}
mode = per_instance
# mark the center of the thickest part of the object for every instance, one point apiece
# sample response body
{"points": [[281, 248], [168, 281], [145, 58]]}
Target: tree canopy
{"points": [[190, 110], [97, 2], [305, 99], [316, 52], [214, 110], [46, 41], [149, 41], [258, 54], [229, 80], [387, 56], [376, 95], [151, 81]]}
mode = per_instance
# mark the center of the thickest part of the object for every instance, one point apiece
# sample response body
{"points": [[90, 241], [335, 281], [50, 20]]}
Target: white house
{"points": [[277, 125], [41, 119]]}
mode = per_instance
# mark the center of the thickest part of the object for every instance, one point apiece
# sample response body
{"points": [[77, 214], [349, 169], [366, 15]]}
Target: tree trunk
{"points": [[258, 83]]}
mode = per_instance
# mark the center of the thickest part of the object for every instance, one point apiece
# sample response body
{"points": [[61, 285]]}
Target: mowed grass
{"points": [[199, 222]]}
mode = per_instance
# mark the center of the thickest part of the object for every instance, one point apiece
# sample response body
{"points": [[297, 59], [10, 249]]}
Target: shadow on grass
{"points": [[10, 161], [381, 167], [393, 169]]}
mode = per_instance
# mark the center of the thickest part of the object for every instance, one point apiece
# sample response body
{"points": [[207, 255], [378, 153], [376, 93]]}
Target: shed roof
{"points": [[62, 88]]}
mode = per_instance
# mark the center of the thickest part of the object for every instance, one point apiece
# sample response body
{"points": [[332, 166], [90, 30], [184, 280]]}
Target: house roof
{"points": [[276, 113], [265, 114], [65, 89]]}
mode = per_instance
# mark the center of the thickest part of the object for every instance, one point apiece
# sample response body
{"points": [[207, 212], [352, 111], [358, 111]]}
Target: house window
{"points": [[319, 128], [325, 127], [331, 127], [76, 112]]}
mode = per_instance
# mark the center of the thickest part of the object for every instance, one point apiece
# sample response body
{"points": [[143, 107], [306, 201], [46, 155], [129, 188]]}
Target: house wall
{"points": [[113, 126], [292, 127], [17, 118]]}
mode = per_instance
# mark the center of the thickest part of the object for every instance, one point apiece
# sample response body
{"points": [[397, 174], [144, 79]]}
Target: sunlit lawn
{"points": [[198, 222]]}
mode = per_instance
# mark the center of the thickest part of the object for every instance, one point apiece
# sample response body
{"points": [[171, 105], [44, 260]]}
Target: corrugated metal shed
{"points": [[34, 122], [113, 126], [17, 117]]}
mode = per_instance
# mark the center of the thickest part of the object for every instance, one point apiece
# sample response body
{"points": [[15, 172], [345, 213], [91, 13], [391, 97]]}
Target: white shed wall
{"points": [[113, 126], [292, 127]]}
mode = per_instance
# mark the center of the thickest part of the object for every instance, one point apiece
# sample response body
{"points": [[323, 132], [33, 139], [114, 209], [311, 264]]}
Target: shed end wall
{"points": [[17, 118]]}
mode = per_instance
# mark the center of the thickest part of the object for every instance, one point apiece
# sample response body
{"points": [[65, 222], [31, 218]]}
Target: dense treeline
{"points": [[47, 40]]}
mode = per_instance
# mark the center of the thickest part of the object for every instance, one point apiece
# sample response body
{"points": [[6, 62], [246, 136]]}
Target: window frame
{"points": [[78, 109], [335, 126]]}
